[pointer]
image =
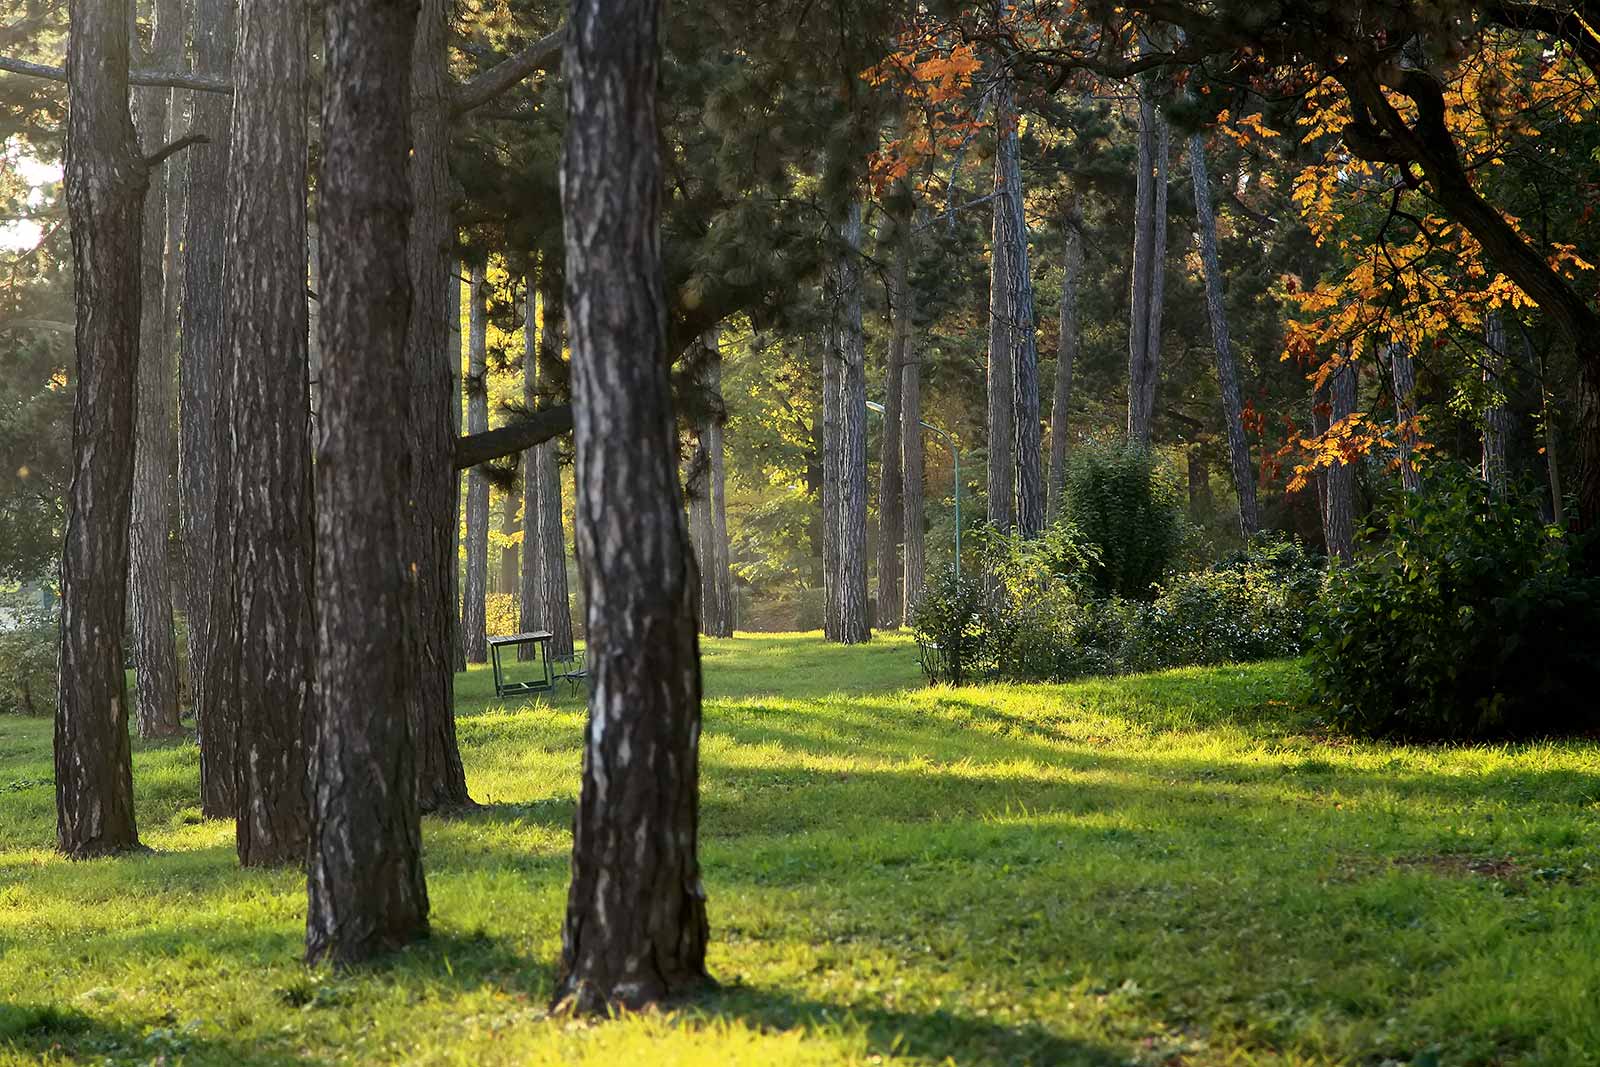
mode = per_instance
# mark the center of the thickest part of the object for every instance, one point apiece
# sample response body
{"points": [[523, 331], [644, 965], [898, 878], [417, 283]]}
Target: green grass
{"points": [[1172, 869]]}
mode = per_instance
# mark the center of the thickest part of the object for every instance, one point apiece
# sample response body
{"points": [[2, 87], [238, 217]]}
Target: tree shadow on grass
{"points": [[66, 1035], [937, 1036]]}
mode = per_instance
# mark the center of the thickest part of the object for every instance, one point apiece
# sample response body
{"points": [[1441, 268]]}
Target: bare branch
{"points": [[544, 54], [167, 79], [519, 436], [160, 156]]}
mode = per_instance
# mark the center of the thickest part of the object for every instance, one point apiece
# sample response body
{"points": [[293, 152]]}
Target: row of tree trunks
{"points": [[155, 652], [1149, 268], [205, 444], [852, 624], [1243, 468], [105, 185], [472, 602], [1066, 357], [555, 610], [1403, 373], [891, 476], [434, 365], [270, 508], [1338, 521], [365, 889], [636, 928]]}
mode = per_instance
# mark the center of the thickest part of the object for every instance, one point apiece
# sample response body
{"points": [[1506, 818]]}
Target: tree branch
{"points": [[160, 156], [1566, 26], [160, 79], [544, 54], [508, 440]]}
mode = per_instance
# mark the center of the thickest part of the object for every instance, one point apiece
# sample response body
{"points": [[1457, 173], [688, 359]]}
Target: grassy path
{"points": [[1173, 869]]}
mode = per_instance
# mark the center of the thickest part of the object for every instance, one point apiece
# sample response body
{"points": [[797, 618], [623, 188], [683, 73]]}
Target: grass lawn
{"points": [[1172, 869]]}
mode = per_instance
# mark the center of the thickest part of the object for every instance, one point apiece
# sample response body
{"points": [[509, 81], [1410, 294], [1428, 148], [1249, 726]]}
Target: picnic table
{"points": [[574, 671]]}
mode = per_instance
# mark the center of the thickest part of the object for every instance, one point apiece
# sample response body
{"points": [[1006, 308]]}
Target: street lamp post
{"points": [[955, 460]]}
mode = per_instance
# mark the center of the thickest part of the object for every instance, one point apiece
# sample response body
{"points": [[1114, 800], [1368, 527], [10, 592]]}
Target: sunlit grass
{"points": [[1174, 869]]}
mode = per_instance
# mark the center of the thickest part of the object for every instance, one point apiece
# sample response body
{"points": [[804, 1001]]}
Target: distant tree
{"points": [[105, 177], [365, 889], [1066, 356], [1339, 512], [848, 350], [555, 599], [477, 530], [891, 469], [1148, 297], [636, 930]]}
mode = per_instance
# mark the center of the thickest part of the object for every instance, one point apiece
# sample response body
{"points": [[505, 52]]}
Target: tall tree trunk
{"points": [[1244, 471], [1496, 417], [715, 580], [697, 491], [556, 598], [472, 605], [1339, 520], [911, 504], [1558, 505], [1011, 229], [853, 624], [105, 179], [636, 927], [204, 424], [832, 468], [1066, 356], [891, 477], [529, 616], [1002, 469], [155, 653], [264, 279], [1403, 372], [505, 582], [434, 363], [365, 889], [1149, 269], [458, 645]]}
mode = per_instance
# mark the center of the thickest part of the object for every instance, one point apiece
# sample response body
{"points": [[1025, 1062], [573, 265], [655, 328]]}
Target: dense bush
{"points": [[1470, 622], [954, 628], [1128, 512], [27, 660]]}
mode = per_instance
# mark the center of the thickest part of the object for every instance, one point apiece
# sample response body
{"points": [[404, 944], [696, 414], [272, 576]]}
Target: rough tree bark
{"points": [[155, 652], [853, 624], [105, 180], [891, 476], [1496, 418], [433, 365], [1002, 468], [1149, 269], [529, 616], [265, 351], [365, 889], [1244, 472], [204, 441], [472, 603], [555, 597], [636, 929], [1403, 372], [1066, 356], [1011, 230], [1338, 523]]}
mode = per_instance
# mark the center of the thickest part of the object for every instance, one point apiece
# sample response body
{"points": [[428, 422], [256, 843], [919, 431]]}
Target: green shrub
{"points": [[1128, 514], [1470, 622], [951, 617], [28, 659]]}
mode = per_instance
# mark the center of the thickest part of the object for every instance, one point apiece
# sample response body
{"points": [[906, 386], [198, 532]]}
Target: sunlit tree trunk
{"points": [[155, 653], [105, 184], [556, 597], [433, 364], [1066, 357], [853, 624], [204, 437], [636, 929], [271, 505], [529, 616], [365, 890], [472, 604], [1244, 473]]}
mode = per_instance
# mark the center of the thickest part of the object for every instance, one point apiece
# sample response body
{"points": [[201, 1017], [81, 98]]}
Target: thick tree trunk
{"points": [[556, 598], [832, 371], [365, 889], [155, 653], [1339, 519], [636, 928], [1403, 372], [1149, 269], [433, 363], [891, 477], [472, 604], [105, 180], [204, 425], [854, 626], [1011, 229], [916, 560], [529, 615], [271, 506], [1244, 471], [1497, 417], [1066, 356]]}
